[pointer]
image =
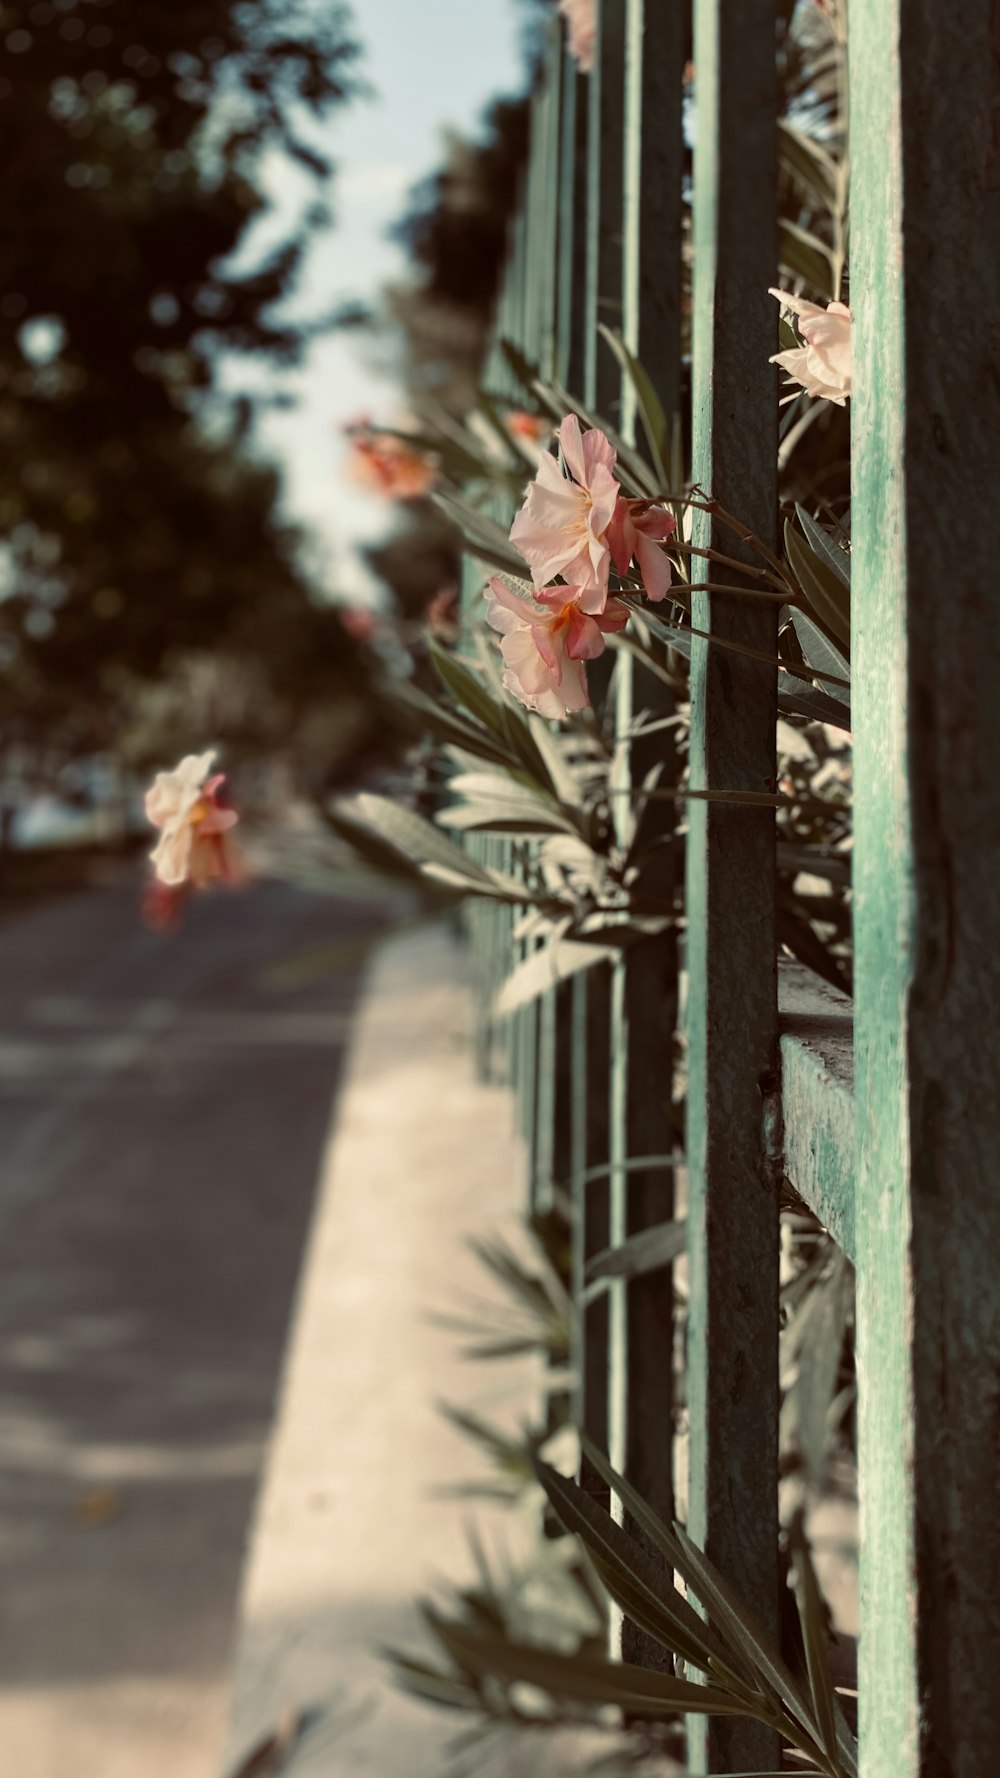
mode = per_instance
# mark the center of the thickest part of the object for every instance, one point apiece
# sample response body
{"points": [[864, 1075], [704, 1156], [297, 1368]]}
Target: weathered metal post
{"points": [[731, 944], [644, 998], [925, 287]]}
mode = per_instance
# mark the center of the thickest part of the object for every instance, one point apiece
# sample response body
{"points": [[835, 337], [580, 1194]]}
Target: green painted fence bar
{"points": [[731, 946], [594, 1033], [571, 276], [925, 281], [645, 1002], [605, 199], [655, 50]]}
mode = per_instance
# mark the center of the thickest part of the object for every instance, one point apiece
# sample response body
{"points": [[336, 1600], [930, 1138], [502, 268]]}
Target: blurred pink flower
{"points": [[531, 427], [581, 25], [823, 366], [388, 465], [562, 526], [635, 531], [545, 645], [359, 621], [184, 804], [441, 614]]}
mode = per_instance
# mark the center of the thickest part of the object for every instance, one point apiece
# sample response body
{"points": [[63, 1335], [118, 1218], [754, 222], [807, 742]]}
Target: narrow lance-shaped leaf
{"points": [[829, 598], [820, 653], [681, 1629], [648, 1251], [731, 1617], [651, 410], [584, 1677], [812, 1617], [824, 546]]}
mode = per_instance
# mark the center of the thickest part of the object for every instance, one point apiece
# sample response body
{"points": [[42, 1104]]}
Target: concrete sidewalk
{"points": [[351, 1524]]}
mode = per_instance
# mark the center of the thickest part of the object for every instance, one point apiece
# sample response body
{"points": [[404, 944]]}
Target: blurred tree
{"points": [[136, 525], [455, 229]]}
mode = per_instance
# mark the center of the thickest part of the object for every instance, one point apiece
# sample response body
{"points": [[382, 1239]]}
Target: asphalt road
{"points": [[163, 1107]]}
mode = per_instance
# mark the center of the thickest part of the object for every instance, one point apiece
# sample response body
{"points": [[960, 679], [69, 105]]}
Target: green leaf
{"points": [[467, 689], [525, 369], [730, 1614], [835, 867], [650, 408], [805, 256], [730, 1617], [626, 1566], [544, 969], [411, 835], [450, 727], [818, 1365], [494, 793], [587, 1678], [808, 164], [425, 1681], [815, 705], [824, 546], [812, 1618], [375, 851], [822, 586], [648, 1251], [483, 536], [425, 844], [674, 633], [821, 655], [511, 1454]]}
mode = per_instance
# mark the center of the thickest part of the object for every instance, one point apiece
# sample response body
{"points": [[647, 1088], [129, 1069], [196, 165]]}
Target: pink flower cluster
{"points": [[575, 525], [385, 464], [823, 365], [193, 850]]}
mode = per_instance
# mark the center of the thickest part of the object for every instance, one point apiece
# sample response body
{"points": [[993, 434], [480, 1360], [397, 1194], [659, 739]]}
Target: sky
{"points": [[433, 64]]}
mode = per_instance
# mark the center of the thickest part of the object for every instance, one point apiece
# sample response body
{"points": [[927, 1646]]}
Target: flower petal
{"points": [[571, 445], [584, 641], [654, 566]]}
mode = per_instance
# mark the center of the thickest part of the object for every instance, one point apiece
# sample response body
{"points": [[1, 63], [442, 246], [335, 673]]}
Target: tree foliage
{"points": [[136, 525]]}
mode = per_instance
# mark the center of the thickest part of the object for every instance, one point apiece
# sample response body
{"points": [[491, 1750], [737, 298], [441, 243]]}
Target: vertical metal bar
{"points": [[536, 1020], [732, 1020], [571, 318], [645, 997], [652, 173], [568, 1015], [925, 102], [605, 198], [537, 250], [591, 1012], [550, 152], [593, 1082]]}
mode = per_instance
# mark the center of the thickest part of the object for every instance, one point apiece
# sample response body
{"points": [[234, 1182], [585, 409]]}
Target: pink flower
{"points": [[823, 366], [581, 23], [441, 614], [635, 531], [184, 805], [359, 621], [530, 427], [545, 645], [388, 465], [562, 526]]}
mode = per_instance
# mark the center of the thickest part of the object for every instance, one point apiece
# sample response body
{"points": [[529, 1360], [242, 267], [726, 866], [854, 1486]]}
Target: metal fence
{"points": [[884, 1115]]}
